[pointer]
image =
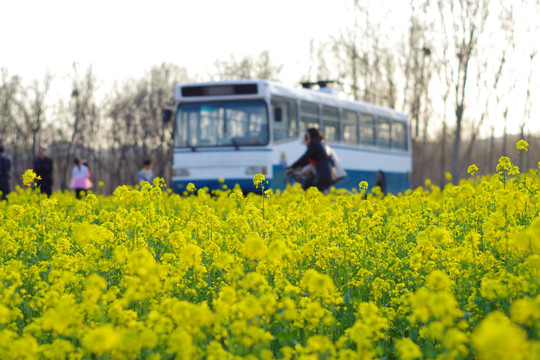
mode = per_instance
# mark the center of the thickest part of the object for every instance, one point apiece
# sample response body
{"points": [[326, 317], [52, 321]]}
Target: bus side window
{"points": [[309, 116], [383, 132], [399, 135], [350, 127], [330, 123], [367, 129], [285, 128]]}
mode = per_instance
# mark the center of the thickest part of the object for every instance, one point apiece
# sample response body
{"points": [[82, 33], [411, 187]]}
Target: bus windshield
{"points": [[223, 123]]}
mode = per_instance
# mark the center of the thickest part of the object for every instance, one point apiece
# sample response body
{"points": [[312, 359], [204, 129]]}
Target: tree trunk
{"points": [[491, 154], [443, 156], [456, 144]]}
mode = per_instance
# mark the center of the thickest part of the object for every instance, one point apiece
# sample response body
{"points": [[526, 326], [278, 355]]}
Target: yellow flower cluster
{"points": [[449, 273]]}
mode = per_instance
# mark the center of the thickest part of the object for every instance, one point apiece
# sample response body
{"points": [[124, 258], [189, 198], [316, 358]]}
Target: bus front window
{"points": [[222, 123]]}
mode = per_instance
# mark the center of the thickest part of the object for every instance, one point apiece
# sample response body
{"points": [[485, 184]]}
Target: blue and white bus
{"points": [[228, 131]]}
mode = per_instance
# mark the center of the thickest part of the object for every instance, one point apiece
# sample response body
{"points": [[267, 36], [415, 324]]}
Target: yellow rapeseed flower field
{"points": [[450, 273]]}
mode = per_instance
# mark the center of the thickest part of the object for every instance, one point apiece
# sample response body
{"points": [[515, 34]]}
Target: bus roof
{"points": [[231, 89]]}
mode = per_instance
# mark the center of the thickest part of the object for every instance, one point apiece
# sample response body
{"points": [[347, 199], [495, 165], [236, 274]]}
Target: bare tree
{"points": [[10, 91], [477, 125], [318, 65], [248, 67], [22, 117], [418, 68], [137, 131], [446, 78], [468, 19], [533, 29], [79, 125], [364, 60], [32, 108]]}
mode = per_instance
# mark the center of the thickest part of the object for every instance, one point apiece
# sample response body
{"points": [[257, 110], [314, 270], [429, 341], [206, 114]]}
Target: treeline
{"points": [[114, 135], [485, 154], [461, 70]]}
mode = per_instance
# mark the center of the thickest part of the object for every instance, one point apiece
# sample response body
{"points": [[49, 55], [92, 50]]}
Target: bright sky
{"points": [[124, 38]]}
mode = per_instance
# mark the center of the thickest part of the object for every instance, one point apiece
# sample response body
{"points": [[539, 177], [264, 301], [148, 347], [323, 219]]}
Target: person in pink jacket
{"points": [[80, 179]]}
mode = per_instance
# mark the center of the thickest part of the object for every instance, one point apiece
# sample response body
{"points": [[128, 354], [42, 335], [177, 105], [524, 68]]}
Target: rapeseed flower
{"points": [[63, 318], [101, 339], [407, 349], [181, 345], [311, 276], [504, 163], [526, 311], [456, 342], [30, 177], [24, 347], [254, 247], [498, 338], [438, 281], [522, 145], [4, 314], [258, 180], [191, 254], [59, 349], [472, 169], [362, 186]]}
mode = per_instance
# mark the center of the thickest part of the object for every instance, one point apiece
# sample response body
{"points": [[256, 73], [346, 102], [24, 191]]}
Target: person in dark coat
{"points": [[316, 154], [5, 174], [380, 181], [43, 167], [305, 175]]}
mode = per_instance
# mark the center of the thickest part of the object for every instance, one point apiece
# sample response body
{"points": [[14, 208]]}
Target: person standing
{"points": [[146, 173], [306, 175], [43, 167], [380, 181], [317, 155], [85, 163], [5, 174], [80, 178]]}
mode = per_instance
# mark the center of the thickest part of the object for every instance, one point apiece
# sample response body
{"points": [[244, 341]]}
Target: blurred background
{"points": [[90, 79]]}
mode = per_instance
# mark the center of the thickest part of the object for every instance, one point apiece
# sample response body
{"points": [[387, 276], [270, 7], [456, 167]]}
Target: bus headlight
{"points": [[254, 170], [180, 172]]}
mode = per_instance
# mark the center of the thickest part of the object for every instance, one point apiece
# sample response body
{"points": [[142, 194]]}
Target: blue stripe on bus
{"points": [[395, 182], [179, 186]]}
